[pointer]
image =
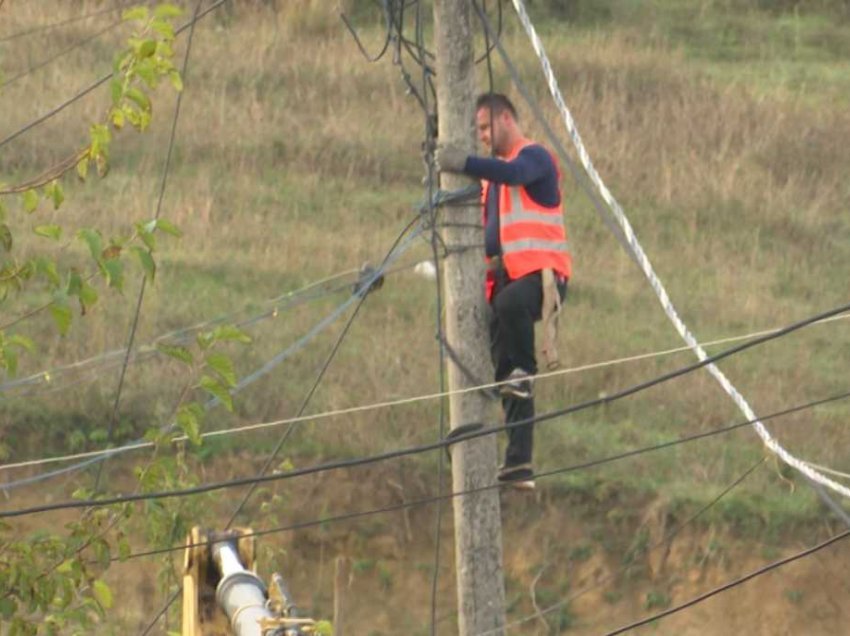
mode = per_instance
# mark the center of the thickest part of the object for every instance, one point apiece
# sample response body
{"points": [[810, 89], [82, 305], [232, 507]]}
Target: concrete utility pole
{"points": [[477, 517]]}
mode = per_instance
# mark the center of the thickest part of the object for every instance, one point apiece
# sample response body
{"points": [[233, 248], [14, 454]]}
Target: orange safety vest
{"points": [[533, 236]]}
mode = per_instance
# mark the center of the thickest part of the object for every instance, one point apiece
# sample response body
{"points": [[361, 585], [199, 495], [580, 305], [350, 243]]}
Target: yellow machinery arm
{"points": [[223, 596]]}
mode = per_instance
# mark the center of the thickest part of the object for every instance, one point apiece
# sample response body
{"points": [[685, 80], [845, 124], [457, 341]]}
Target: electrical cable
{"points": [[428, 155], [59, 54], [263, 370], [579, 176], [626, 567], [732, 584], [113, 419], [546, 474], [57, 109], [179, 336], [174, 596], [408, 400], [56, 25], [380, 54], [646, 268], [362, 294], [479, 432]]}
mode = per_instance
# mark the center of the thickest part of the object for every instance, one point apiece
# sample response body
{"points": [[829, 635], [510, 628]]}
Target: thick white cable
{"points": [[829, 471], [646, 267], [402, 401]]}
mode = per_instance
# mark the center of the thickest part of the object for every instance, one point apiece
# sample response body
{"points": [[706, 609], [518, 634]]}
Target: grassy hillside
{"points": [[721, 127]]}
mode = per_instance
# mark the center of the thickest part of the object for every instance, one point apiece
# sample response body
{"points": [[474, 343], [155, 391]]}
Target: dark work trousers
{"points": [[516, 305]]}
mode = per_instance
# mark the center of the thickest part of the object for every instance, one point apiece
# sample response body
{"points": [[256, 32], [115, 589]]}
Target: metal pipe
{"points": [[240, 593]]}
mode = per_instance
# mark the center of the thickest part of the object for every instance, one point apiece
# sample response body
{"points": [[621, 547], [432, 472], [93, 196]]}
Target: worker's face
{"points": [[492, 133]]}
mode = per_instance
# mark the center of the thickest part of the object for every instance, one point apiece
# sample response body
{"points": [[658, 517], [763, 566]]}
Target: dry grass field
{"points": [[721, 127]]}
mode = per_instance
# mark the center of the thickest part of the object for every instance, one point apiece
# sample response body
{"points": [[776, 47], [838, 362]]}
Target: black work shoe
{"points": [[520, 476], [517, 385]]}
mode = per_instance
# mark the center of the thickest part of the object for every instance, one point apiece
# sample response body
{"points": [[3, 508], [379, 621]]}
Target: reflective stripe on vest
{"points": [[520, 214], [534, 244]]}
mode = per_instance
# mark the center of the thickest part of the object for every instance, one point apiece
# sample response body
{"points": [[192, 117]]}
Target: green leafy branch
{"points": [[210, 372], [73, 284], [50, 582], [146, 61]]}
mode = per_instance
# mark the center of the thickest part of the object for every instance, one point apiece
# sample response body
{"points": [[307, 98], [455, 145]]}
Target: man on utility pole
{"points": [[477, 517]]}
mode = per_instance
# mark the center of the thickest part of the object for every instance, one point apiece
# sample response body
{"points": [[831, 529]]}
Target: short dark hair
{"points": [[496, 102]]}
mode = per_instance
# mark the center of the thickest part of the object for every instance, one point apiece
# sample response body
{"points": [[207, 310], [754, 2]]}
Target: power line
{"points": [[636, 250], [624, 568], [399, 402], [59, 54], [580, 178], [549, 473], [819, 490], [138, 311], [174, 596], [107, 360], [263, 370], [702, 597], [552, 414], [56, 110], [478, 431], [362, 291], [429, 147], [441, 497], [56, 25], [320, 375]]}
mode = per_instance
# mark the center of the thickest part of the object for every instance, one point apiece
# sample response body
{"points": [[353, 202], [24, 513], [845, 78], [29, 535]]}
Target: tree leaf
{"points": [[177, 352], [217, 390], [93, 239], [87, 296], [49, 231], [139, 98], [117, 118], [176, 80], [136, 13], [113, 270], [22, 341], [102, 593], [6, 237], [223, 365], [147, 48], [10, 360], [146, 71], [168, 227], [30, 199], [75, 283], [116, 88], [145, 260], [53, 191], [62, 317], [47, 268], [83, 168], [229, 332], [165, 30], [189, 420]]}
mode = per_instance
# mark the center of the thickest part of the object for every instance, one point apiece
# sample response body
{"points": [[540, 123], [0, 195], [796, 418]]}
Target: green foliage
{"points": [[52, 582], [139, 68]]}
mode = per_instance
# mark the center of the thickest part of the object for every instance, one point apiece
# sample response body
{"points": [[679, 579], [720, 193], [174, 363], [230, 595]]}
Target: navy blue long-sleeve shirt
{"points": [[533, 168]]}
